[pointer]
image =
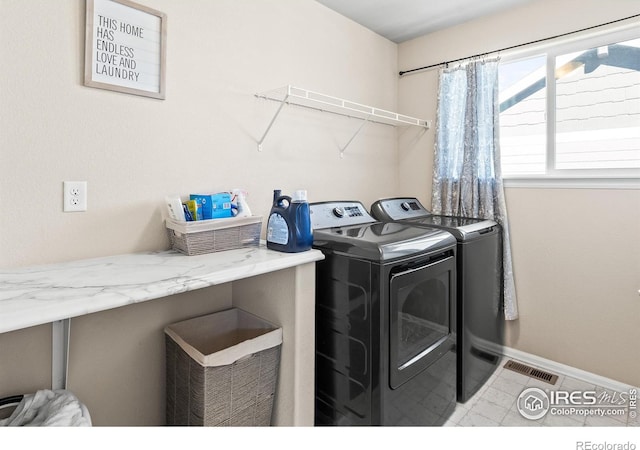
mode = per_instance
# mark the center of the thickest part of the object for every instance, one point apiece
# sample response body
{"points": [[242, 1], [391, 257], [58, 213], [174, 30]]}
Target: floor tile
{"points": [[499, 397], [507, 374], [490, 410], [458, 414], [573, 384], [509, 386], [450, 423], [534, 382], [515, 419], [555, 420], [473, 419], [598, 421]]}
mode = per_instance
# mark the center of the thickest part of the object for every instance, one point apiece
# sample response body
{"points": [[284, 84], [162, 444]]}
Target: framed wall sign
{"points": [[125, 48]]}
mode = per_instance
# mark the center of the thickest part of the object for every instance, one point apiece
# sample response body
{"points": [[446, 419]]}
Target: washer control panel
{"points": [[338, 214], [399, 208]]}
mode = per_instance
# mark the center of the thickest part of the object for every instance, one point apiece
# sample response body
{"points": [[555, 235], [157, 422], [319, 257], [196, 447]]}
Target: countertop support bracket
{"points": [[61, 330]]}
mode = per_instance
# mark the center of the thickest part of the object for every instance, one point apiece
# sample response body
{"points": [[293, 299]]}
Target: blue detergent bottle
{"points": [[289, 225]]}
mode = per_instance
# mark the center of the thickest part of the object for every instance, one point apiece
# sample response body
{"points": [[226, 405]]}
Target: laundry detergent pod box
{"points": [[214, 206]]}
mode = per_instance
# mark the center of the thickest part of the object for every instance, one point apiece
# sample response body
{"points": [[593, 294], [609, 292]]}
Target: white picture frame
{"points": [[125, 48]]}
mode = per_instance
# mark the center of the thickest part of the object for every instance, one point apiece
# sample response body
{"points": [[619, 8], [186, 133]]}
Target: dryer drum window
{"points": [[420, 318]]}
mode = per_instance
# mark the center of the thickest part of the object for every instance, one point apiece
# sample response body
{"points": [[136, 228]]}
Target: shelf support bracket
{"points": [[61, 330], [266, 132], [364, 122]]}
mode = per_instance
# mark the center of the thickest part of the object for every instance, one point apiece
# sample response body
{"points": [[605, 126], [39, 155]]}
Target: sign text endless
{"points": [[113, 59]]}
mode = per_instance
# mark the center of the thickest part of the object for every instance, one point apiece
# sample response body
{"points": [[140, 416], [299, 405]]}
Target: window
{"points": [[585, 122], [523, 130]]}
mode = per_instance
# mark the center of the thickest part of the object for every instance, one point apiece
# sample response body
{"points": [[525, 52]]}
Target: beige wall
{"points": [[133, 151], [576, 251], [577, 266]]}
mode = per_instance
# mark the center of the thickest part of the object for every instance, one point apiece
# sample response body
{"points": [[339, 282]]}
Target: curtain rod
{"points": [[403, 72]]}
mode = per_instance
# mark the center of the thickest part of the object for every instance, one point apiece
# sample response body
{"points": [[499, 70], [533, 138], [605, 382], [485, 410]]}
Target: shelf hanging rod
{"points": [[315, 108]]}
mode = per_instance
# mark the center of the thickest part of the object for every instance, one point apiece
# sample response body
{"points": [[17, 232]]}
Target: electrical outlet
{"points": [[75, 196]]}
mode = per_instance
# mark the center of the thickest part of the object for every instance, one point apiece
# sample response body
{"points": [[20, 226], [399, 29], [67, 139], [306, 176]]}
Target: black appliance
{"points": [[385, 314], [480, 323]]}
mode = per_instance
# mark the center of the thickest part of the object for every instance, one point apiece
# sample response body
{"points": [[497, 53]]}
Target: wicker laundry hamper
{"points": [[222, 370]]}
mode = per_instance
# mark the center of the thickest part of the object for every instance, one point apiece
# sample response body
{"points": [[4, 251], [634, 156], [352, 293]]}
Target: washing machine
{"points": [[480, 322], [385, 315]]}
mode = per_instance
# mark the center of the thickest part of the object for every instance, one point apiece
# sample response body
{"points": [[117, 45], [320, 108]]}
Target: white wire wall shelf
{"points": [[291, 95]]}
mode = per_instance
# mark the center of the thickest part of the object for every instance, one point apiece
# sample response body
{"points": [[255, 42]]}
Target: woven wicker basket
{"points": [[222, 370], [214, 235]]}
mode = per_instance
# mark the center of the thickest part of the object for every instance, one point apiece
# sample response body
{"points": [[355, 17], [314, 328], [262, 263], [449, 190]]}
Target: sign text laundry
{"points": [[113, 58]]}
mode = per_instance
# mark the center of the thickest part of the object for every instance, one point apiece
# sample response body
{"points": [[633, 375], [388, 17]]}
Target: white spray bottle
{"points": [[241, 203]]}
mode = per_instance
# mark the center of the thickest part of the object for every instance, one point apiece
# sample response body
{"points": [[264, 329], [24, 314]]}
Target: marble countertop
{"points": [[41, 294]]}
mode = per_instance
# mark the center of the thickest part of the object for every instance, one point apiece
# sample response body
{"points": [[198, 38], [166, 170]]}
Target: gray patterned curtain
{"points": [[467, 180]]}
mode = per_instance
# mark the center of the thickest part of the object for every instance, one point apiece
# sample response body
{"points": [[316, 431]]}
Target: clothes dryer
{"points": [[480, 321], [385, 314]]}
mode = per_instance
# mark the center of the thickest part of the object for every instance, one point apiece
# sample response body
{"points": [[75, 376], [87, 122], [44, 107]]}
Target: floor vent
{"points": [[531, 372]]}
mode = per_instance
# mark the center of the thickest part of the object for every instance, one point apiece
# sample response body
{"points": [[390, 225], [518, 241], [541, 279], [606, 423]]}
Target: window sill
{"points": [[572, 183]]}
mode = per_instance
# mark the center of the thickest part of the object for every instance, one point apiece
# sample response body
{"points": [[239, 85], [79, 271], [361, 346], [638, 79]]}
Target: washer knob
{"points": [[338, 212], [405, 206]]}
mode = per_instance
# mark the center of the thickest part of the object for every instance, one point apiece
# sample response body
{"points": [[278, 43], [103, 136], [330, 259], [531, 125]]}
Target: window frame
{"points": [[574, 178]]}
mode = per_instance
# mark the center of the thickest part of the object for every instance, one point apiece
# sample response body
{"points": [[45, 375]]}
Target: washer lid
{"points": [[463, 228], [409, 209], [380, 241]]}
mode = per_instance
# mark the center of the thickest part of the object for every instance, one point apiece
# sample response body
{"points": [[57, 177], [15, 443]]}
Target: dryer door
{"points": [[421, 307]]}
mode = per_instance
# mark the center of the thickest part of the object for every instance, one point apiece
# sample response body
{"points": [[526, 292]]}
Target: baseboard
{"points": [[563, 369]]}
